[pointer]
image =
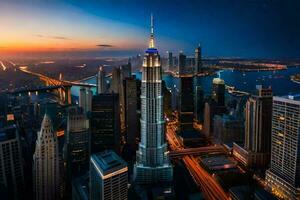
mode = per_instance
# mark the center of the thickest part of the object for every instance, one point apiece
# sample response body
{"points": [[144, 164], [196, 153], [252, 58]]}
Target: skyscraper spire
{"points": [[151, 42]]}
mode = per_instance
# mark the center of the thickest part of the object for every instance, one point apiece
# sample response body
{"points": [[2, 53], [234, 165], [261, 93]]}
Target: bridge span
{"points": [[196, 151]]}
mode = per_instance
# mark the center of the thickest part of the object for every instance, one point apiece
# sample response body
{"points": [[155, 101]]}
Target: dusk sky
{"points": [[230, 28]]}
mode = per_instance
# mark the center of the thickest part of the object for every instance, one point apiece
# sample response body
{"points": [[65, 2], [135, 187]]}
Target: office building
{"points": [[108, 176], [46, 163], [85, 99], [170, 61], [199, 104], [210, 110], [283, 177], [131, 120], [152, 160], [228, 129], [185, 104], [198, 60], [125, 71], [101, 84], [105, 123], [11, 167], [116, 80], [258, 125], [218, 91], [214, 107], [77, 142], [181, 64]]}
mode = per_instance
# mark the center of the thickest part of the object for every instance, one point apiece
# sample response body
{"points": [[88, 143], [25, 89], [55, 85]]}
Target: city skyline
{"points": [[118, 28], [88, 110]]}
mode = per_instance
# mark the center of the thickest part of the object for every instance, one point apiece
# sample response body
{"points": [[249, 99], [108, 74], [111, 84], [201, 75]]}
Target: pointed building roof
{"points": [[46, 127]]}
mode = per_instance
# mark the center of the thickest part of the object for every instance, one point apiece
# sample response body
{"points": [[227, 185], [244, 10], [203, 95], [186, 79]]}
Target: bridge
{"points": [[63, 87], [52, 81], [205, 181], [63, 91], [196, 151]]}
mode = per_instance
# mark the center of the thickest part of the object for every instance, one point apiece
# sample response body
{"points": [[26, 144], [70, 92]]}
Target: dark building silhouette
{"points": [[199, 104], [167, 100], [210, 110], [105, 123], [198, 60], [228, 129], [218, 91], [77, 142], [185, 104], [11, 166], [170, 61], [181, 63], [258, 126], [116, 80], [101, 84], [125, 72], [131, 115]]}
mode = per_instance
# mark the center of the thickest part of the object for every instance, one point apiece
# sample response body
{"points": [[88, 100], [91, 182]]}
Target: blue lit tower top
{"points": [[152, 164]]}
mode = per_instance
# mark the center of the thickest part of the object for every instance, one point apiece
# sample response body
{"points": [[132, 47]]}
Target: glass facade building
{"points": [[283, 177], [105, 123]]}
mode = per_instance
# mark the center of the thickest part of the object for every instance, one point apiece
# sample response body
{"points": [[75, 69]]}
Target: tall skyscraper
{"points": [[170, 61], [77, 142], [101, 85], [46, 163], [11, 168], [108, 176], [131, 121], [125, 70], [105, 122], [152, 165], [181, 63], [85, 99], [198, 60], [185, 104], [125, 73], [116, 80], [199, 104], [218, 91], [283, 177], [258, 126]]}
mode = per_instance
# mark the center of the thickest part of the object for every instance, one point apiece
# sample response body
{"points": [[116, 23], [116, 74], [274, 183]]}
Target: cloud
{"points": [[52, 37], [105, 45]]}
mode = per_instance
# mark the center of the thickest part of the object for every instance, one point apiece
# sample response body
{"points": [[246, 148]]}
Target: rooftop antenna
{"points": [[151, 42]]}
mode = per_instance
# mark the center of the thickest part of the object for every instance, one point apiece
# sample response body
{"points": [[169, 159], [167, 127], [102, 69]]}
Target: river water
{"points": [[243, 81]]}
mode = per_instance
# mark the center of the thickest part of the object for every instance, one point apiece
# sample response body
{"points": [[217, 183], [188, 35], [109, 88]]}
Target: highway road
{"points": [[209, 186]]}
